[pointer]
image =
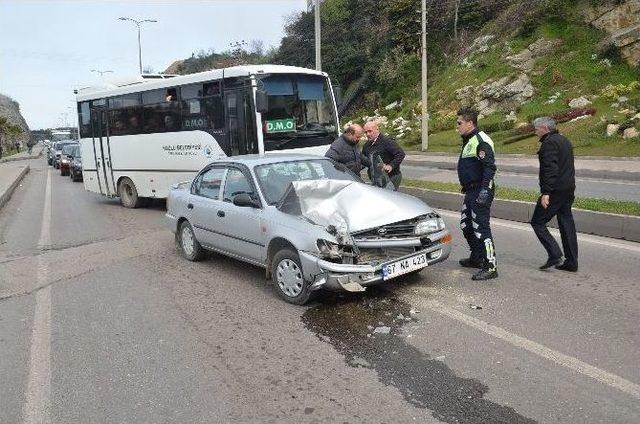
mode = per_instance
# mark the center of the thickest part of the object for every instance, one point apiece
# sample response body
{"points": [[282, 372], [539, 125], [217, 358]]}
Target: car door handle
{"points": [[190, 206], [221, 214]]}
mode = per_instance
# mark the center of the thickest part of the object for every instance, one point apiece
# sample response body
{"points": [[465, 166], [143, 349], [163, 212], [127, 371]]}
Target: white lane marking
{"points": [[566, 361], [37, 406], [631, 246]]}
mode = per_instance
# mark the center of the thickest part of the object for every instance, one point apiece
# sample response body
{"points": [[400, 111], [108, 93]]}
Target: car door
{"points": [[204, 204], [241, 227]]}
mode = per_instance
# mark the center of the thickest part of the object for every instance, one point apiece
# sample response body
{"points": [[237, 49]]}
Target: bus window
{"points": [[84, 119], [161, 113], [202, 107], [125, 114]]}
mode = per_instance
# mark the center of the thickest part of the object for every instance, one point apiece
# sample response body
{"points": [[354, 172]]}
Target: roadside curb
{"points": [[533, 170], [4, 197], [623, 227], [12, 159]]}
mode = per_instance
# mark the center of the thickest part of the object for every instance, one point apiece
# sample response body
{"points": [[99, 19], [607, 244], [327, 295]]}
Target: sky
{"points": [[49, 47]]}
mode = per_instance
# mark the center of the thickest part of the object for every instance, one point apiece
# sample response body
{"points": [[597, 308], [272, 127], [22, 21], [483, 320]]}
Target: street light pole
{"points": [[138, 23], [317, 36], [425, 115]]}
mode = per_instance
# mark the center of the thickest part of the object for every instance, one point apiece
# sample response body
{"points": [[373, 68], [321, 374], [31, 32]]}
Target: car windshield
{"points": [[300, 111], [274, 178], [68, 149]]}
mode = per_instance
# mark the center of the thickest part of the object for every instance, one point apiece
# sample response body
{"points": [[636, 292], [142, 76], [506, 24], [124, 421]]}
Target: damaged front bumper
{"points": [[356, 277]]}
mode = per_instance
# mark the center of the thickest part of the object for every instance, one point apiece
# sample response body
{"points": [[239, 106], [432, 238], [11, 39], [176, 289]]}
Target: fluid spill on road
{"points": [[357, 328]]}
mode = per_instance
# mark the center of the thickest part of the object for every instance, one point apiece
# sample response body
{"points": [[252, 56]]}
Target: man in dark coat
{"points": [[384, 147], [345, 148], [557, 187], [476, 169]]}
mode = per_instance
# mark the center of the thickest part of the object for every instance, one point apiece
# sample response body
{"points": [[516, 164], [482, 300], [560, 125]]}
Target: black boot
{"points": [[550, 262], [485, 274], [567, 267], [470, 263]]}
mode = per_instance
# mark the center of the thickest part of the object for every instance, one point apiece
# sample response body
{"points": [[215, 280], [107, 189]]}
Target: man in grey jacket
{"points": [[345, 148]]}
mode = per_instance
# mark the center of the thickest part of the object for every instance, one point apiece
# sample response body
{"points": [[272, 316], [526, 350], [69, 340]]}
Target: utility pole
{"points": [[425, 115], [317, 36]]}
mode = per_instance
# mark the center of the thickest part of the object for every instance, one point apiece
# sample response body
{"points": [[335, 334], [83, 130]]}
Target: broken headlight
{"points": [[328, 249], [429, 225]]}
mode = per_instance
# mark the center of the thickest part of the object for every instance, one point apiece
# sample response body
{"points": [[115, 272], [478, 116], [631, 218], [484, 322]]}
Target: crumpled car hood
{"points": [[357, 206]]}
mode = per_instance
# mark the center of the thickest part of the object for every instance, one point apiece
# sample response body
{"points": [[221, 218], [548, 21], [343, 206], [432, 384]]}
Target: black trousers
{"points": [[559, 205], [474, 223]]}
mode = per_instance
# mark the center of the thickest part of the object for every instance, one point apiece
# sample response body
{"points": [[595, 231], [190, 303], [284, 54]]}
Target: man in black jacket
{"points": [[345, 148], [557, 187], [385, 147]]}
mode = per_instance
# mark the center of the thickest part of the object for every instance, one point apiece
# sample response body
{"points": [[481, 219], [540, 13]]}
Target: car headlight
{"points": [[65, 161], [328, 249], [429, 225]]}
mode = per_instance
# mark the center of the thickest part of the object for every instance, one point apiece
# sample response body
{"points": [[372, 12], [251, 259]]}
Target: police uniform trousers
{"points": [[474, 222], [560, 206]]}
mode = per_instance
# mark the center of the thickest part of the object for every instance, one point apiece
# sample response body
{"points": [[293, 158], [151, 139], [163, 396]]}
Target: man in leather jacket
{"points": [[557, 187]]}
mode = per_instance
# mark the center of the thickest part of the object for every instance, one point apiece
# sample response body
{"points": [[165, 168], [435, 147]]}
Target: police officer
{"points": [[476, 168]]}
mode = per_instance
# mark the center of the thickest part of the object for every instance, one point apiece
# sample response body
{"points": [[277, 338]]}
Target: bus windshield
{"points": [[299, 106]]}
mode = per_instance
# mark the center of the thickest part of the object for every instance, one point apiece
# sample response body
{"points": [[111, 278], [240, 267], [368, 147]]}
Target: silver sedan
{"points": [[307, 220]]}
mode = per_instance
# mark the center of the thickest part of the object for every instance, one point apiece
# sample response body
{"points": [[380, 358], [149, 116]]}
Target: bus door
{"points": [[101, 149], [241, 129]]}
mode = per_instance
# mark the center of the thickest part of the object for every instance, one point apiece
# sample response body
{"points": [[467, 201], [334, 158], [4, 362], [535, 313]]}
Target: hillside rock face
{"points": [[525, 59], [622, 23], [10, 109], [503, 95]]}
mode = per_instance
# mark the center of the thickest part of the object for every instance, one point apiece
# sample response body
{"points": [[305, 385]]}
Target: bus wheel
{"points": [[128, 194]]}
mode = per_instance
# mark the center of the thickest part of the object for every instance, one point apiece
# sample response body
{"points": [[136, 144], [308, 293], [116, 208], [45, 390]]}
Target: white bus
{"points": [[137, 138]]}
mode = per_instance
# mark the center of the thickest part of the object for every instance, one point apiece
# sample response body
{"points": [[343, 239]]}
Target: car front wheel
{"points": [[288, 278]]}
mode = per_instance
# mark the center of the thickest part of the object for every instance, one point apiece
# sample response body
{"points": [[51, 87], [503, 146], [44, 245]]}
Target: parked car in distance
{"points": [[309, 221], [75, 166], [57, 152], [65, 158]]}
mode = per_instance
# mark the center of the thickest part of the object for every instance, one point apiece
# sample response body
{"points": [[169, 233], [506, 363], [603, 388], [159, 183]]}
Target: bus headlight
{"points": [[429, 225]]}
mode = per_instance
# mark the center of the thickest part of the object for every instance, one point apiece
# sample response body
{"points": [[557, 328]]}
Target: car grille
{"points": [[400, 229], [377, 255]]}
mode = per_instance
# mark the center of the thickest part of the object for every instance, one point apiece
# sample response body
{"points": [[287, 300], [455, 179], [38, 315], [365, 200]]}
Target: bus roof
{"points": [[140, 83]]}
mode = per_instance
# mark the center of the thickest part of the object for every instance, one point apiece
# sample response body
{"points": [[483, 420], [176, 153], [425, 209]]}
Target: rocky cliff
{"points": [[10, 109], [621, 21]]}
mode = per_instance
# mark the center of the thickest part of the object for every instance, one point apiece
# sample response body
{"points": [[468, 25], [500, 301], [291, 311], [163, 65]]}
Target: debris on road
{"points": [[472, 306]]}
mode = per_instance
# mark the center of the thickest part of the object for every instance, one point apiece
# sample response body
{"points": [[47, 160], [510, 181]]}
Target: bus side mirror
{"points": [[337, 94], [262, 101]]}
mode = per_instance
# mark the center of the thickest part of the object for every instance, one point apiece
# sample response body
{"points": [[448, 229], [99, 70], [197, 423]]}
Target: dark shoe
{"points": [[485, 274], [550, 262], [567, 267], [470, 263]]}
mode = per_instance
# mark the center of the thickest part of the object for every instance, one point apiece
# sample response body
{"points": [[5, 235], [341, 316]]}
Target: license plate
{"points": [[404, 266]]}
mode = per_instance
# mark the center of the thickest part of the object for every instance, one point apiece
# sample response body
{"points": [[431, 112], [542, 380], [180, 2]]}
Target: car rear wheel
{"points": [[288, 278], [189, 246], [128, 194]]}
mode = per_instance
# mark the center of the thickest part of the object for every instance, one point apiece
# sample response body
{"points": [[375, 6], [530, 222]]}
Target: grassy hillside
{"points": [[578, 68]]}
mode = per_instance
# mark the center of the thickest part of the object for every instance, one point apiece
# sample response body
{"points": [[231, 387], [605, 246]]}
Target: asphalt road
{"points": [[585, 187], [101, 320]]}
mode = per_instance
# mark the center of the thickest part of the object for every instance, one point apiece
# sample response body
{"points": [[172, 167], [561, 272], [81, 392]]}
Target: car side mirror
{"points": [[262, 101], [244, 200]]}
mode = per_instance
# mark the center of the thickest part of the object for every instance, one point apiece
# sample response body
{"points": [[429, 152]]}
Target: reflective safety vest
{"points": [[470, 168]]}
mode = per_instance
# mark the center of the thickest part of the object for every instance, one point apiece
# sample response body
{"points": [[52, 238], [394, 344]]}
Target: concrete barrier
{"points": [[598, 223], [533, 170], [4, 197]]}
